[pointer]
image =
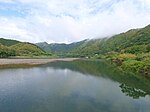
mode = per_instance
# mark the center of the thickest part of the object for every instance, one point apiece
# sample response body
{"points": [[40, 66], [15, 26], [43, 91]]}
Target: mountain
{"points": [[130, 51], [16, 48], [135, 37], [8, 42], [133, 41], [60, 48], [26, 49]]}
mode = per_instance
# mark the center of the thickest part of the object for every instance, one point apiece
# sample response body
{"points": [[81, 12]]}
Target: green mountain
{"points": [[25, 49], [16, 48], [133, 41], [60, 48], [130, 50], [8, 42], [132, 38]]}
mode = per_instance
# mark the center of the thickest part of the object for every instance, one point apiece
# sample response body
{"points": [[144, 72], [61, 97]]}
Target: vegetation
{"points": [[130, 51], [8, 42], [59, 48], [22, 49], [6, 51], [9, 48]]}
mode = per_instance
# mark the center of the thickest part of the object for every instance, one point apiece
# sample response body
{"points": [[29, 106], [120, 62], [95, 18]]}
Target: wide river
{"points": [[78, 86]]}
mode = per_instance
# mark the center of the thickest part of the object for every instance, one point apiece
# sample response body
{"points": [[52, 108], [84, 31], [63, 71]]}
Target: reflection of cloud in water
{"points": [[66, 89]]}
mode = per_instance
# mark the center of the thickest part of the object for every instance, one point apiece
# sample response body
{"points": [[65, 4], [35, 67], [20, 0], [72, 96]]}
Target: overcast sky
{"points": [[70, 20]]}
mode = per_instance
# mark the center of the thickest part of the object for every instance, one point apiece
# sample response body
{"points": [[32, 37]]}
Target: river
{"points": [[77, 86]]}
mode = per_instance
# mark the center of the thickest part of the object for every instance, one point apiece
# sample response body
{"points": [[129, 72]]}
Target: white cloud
{"points": [[68, 21], [6, 1]]}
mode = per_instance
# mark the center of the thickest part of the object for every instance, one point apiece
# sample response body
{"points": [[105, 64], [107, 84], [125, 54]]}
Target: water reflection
{"points": [[133, 85], [79, 86], [132, 92]]}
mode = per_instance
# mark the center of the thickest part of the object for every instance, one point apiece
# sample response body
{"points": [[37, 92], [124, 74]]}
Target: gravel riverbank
{"points": [[32, 61]]}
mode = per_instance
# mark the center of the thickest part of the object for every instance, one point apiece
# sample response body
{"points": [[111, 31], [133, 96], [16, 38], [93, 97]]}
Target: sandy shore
{"points": [[31, 61]]}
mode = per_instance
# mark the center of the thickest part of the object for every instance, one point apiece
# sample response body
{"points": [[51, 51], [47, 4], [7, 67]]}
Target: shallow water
{"points": [[79, 86]]}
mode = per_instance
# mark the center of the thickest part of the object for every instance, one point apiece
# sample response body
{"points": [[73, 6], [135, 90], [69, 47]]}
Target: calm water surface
{"points": [[79, 86]]}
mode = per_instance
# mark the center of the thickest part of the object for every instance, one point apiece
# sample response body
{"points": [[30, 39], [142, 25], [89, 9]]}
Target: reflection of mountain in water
{"points": [[132, 85], [132, 92]]}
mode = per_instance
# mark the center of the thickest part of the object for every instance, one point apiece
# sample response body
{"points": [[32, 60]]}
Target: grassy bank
{"points": [[128, 62]]}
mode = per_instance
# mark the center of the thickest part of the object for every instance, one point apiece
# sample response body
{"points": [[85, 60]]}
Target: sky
{"points": [[66, 21]]}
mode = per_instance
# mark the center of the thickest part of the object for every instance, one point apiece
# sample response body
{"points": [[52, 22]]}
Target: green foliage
{"points": [[10, 48], [60, 49], [136, 66], [134, 41], [23, 49], [128, 39], [126, 56], [143, 56], [6, 51], [136, 49], [8, 42], [89, 48], [148, 47]]}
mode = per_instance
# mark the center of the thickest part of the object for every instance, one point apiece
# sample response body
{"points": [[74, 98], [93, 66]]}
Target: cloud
{"points": [[69, 21], [6, 1]]}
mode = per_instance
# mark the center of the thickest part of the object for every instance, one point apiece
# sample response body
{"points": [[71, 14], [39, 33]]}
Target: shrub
{"points": [[136, 49], [136, 66], [126, 56]]}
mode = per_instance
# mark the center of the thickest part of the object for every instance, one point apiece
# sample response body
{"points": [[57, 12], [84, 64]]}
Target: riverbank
{"points": [[129, 62], [4, 62]]}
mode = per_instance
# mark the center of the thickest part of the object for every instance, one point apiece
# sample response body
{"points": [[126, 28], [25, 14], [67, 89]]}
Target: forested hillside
{"points": [[15, 48], [6, 51], [8, 42], [60, 48], [133, 41], [130, 50]]}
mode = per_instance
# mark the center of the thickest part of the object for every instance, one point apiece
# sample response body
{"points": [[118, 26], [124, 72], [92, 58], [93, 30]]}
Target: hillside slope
{"points": [[16, 48], [135, 41], [130, 50], [8, 42], [6, 51], [60, 48], [27, 49], [132, 41]]}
